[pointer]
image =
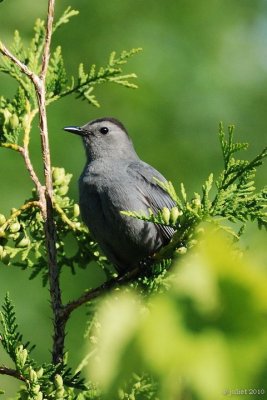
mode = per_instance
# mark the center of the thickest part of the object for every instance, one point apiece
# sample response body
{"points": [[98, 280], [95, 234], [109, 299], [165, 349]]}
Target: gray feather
{"points": [[155, 197], [115, 179]]}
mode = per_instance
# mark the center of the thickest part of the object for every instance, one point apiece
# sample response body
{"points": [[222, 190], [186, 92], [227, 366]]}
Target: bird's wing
{"points": [[153, 196]]}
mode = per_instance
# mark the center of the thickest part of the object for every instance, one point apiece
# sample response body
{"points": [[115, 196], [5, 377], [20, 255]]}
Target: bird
{"points": [[115, 179]]}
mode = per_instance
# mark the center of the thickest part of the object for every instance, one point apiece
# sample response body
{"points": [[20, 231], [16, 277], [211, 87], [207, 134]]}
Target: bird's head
{"points": [[105, 138]]}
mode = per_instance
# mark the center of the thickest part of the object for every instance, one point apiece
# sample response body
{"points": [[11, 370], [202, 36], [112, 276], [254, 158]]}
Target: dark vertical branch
{"points": [[50, 229], [45, 192]]}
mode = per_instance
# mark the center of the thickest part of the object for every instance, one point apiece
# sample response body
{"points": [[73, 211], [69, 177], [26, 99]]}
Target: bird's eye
{"points": [[104, 130]]}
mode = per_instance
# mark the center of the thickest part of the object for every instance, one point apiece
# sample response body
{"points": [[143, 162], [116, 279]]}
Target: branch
{"points": [[12, 372], [45, 194], [24, 69], [34, 177], [12, 146], [50, 229], [107, 286], [248, 167], [19, 211], [73, 225], [122, 280], [48, 36], [25, 154], [24, 150], [98, 291], [29, 166], [166, 251]]}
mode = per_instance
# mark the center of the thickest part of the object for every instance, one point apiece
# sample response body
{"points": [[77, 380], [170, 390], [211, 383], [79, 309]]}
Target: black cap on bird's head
{"points": [[105, 137]]}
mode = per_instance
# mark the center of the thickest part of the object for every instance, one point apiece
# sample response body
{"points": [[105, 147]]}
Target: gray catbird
{"points": [[114, 179]]}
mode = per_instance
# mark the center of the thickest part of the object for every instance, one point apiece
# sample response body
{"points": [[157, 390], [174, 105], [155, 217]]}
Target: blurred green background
{"points": [[202, 339], [202, 62]]}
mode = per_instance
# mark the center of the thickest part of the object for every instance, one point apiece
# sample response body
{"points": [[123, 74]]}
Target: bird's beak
{"points": [[75, 129]]}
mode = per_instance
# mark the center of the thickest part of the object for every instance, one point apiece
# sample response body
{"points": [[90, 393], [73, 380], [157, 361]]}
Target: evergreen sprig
{"points": [[84, 85], [13, 116], [112, 72], [236, 199], [22, 240], [139, 387], [16, 114], [65, 18], [27, 235], [40, 381], [10, 336]]}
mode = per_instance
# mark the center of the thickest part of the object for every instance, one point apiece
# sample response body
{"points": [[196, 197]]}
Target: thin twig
{"points": [[67, 92], [98, 291], [34, 177], [48, 36], [166, 251], [12, 146], [24, 150], [29, 166], [25, 154], [12, 372], [19, 211], [121, 280], [23, 67], [73, 225], [247, 167]]}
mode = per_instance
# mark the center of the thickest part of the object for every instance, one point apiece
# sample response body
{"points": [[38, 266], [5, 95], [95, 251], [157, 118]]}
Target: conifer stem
{"points": [[4, 50], [15, 214], [45, 192], [50, 229], [12, 372], [98, 291]]}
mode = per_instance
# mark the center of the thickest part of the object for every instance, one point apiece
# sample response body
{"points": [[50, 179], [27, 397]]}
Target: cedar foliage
{"points": [[230, 199]]}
